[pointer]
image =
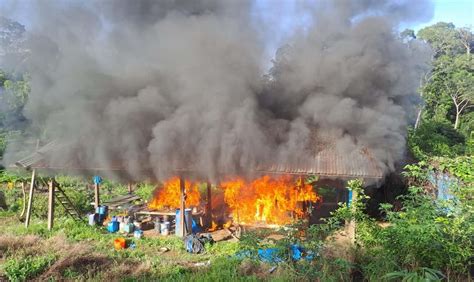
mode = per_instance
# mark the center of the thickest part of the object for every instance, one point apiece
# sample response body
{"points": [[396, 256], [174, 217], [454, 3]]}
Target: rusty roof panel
{"points": [[327, 162], [333, 164]]}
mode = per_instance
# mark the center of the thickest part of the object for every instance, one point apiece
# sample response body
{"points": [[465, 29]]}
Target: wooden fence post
{"points": [[30, 199], [182, 223], [51, 191], [23, 191]]}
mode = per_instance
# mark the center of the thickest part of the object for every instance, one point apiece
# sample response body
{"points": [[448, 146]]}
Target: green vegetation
{"points": [[445, 123], [22, 269]]}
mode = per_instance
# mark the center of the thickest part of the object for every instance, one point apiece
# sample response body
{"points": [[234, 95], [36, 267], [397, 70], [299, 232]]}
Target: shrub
{"points": [[434, 138], [145, 191], [425, 234], [26, 268]]}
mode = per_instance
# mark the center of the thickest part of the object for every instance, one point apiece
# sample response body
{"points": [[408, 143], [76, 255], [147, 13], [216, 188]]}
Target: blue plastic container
{"points": [[195, 227], [103, 210], [129, 227], [113, 226], [187, 219]]}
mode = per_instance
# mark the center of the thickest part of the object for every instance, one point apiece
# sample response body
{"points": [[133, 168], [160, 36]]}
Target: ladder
{"points": [[66, 203]]}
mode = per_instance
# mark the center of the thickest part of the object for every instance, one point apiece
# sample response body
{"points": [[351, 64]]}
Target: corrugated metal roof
{"points": [[326, 162], [330, 163], [38, 157]]}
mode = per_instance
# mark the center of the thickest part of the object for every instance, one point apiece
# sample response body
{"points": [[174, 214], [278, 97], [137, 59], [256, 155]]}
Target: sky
{"points": [[459, 12]]}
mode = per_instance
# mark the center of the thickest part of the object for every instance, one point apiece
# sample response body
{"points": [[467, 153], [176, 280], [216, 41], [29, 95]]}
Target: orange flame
{"points": [[213, 226], [271, 200], [169, 196], [267, 199]]}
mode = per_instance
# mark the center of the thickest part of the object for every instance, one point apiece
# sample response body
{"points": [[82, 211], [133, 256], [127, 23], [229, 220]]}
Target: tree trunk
{"points": [[456, 123], [418, 118]]}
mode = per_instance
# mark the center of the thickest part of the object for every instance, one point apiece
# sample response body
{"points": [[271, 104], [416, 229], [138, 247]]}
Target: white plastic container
{"points": [[165, 228]]}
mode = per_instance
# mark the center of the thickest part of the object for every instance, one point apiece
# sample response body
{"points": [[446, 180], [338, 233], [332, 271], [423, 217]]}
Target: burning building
{"points": [[276, 194], [140, 90]]}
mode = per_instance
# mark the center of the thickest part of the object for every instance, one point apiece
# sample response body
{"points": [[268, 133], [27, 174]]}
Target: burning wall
{"points": [[169, 194], [271, 200]]}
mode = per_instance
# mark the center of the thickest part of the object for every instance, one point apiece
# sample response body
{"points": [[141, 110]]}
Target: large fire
{"points": [[169, 195], [271, 200], [266, 199]]}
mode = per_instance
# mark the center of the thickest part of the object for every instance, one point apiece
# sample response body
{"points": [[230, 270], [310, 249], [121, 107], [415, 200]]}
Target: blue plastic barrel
{"points": [[103, 209], [187, 219], [113, 226]]}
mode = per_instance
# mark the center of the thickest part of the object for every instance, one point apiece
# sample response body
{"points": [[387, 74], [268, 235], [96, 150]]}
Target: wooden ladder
{"points": [[67, 203]]}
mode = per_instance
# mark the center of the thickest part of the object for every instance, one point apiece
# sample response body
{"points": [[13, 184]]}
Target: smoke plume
{"points": [[172, 85]]}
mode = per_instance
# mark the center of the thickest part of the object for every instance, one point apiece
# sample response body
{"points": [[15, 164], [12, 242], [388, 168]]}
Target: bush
{"points": [[436, 139], [26, 268], [145, 191], [426, 234]]}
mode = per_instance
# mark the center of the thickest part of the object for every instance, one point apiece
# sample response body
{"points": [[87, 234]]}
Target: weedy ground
{"points": [[76, 251]]}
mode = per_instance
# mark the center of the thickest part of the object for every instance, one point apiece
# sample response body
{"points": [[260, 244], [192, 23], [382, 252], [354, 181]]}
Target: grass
{"points": [[74, 250]]}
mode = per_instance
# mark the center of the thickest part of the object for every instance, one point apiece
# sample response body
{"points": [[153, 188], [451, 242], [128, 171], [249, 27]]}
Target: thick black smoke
{"points": [[182, 84]]}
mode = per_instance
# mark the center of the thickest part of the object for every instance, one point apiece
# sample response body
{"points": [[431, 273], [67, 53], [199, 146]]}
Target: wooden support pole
{"points": [[51, 191], [209, 205], [32, 187], [182, 223], [23, 191], [130, 188], [96, 195], [30, 199]]}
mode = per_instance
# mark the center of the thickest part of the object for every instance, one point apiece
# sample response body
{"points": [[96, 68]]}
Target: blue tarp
{"points": [[273, 255], [442, 182]]}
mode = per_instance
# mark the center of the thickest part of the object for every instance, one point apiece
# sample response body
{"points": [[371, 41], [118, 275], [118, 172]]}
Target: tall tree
{"points": [[448, 94], [442, 37], [466, 38], [454, 78]]}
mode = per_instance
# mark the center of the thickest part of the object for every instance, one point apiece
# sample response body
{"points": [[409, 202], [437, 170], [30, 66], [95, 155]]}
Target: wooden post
{"points": [[30, 199], [183, 231], [130, 188], [32, 187], [96, 195], [23, 191], [209, 205], [51, 188]]}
